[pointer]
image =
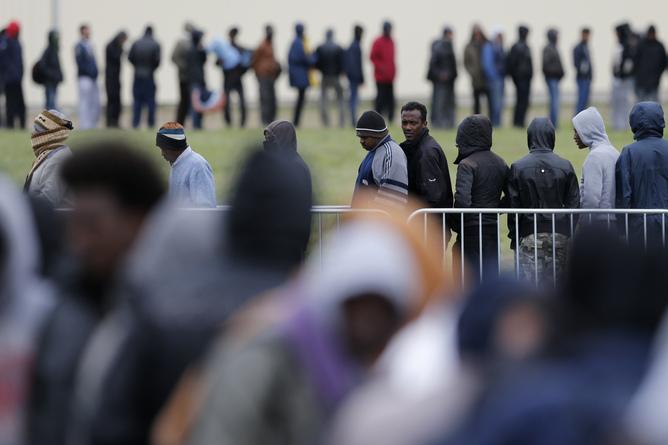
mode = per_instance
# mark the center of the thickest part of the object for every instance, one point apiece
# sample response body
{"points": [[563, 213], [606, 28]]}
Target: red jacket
{"points": [[382, 57]]}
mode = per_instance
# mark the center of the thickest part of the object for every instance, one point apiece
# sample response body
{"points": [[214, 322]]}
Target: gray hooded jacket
{"points": [[597, 185]]}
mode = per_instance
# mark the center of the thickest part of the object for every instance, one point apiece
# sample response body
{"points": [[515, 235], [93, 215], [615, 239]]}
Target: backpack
{"points": [[39, 72]]}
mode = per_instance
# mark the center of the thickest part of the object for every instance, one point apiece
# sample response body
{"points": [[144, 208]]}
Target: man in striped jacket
{"points": [[384, 169]]}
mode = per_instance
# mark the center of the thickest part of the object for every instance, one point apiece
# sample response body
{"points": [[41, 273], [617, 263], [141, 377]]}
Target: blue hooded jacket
{"points": [[299, 61]]}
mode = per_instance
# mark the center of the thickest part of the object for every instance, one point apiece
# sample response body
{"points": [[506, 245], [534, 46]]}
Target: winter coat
{"points": [[85, 58], [649, 64], [582, 62], [180, 57], [112, 70], [281, 138], [299, 63], [329, 59], [481, 174], [382, 58], [519, 62], [264, 61], [473, 64], [442, 63], [53, 74], [145, 56], [542, 179], [46, 182], [493, 62], [352, 63], [13, 59], [196, 57], [552, 67], [597, 186], [642, 167], [428, 175]]}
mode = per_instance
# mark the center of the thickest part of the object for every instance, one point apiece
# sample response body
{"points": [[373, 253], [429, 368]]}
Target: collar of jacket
{"points": [[412, 146], [541, 150], [385, 139]]}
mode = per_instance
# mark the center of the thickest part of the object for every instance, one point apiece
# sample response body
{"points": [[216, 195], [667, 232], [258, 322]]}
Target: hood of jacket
{"points": [[280, 136], [540, 135], [473, 134], [590, 127], [552, 35], [647, 120]]}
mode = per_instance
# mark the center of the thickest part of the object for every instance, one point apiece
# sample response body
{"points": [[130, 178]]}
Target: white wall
{"points": [[416, 23]]}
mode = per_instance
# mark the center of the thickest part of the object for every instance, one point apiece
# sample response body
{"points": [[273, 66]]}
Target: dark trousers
{"points": [[15, 105], [443, 105], [230, 85], [474, 246], [143, 92], [385, 100], [113, 112], [476, 99], [184, 102], [267, 99], [299, 105], [522, 90]]}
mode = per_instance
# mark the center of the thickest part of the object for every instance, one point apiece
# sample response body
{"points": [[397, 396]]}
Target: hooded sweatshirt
{"points": [[597, 185], [280, 138]]}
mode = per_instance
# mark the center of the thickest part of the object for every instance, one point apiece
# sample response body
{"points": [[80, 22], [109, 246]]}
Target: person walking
{"points": [[622, 73], [383, 59], [51, 73], [191, 181], [89, 94], [145, 57], [520, 69], [299, 63], [442, 73], [541, 179], [352, 65], [180, 60], [112, 78], [494, 67], [553, 71], [473, 65], [583, 70], [267, 69], [329, 61], [649, 65], [597, 184], [641, 173], [13, 77], [481, 182]]}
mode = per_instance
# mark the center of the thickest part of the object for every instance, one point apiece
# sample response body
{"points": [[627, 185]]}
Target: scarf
{"points": [[55, 133]]}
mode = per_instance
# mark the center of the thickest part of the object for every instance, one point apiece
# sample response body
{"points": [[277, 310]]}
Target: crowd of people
{"points": [[638, 65]]}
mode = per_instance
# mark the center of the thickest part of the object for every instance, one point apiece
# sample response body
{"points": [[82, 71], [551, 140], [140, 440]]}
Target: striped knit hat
{"points": [[371, 124], [50, 130], [171, 139]]}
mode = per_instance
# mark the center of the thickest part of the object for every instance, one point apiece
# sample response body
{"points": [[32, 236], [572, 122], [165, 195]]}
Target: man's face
{"points": [[170, 155], [578, 141], [85, 33], [369, 142], [100, 232], [412, 124], [585, 37]]}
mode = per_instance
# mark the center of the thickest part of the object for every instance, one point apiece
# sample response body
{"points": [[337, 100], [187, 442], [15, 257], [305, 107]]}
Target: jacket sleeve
{"points": [[592, 184], [435, 183], [623, 194], [391, 175]]}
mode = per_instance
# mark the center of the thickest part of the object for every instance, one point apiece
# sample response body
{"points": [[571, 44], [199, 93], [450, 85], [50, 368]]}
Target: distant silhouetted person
{"points": [[520, 70], [383, 59], [622, 77], [329, 61], [196, 57], [180, 59], [145, 56], [442, 73], [13, 76], [299, 63], [473, 65], [353, 66], [583, 70], [112, 78], [267, 69], [235, 61], [87, 71], [494, 66], [650, 63], [51, 73], [553, 71]]}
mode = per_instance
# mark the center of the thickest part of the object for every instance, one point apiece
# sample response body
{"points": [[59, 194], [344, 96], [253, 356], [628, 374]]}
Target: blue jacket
{"points": [[13, 61], [86, 64], [493, 62], [641, 172], [352, 63], [298, 64]]}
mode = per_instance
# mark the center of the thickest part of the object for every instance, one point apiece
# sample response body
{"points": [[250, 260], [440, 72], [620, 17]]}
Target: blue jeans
{"points": [[553, 89], [583, 94], [143, 93], [353, 101], [496, 100], [50, 92]]}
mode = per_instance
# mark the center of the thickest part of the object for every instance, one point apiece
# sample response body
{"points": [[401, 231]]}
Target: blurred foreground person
{"points": [[87, 71], [112, 78], [191, 181], [384, 169], [442, 73], [384, 68], [24, 302], [267, 69], [520, 70], [642, 173], [145, 57], [597, 184], [481, 181], [649, 66], [544, 180], [113, 190], [50, 132], [553, 71], [577, 392]]}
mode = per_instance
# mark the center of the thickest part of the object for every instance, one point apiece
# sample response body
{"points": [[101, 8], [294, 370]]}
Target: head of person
{"points": [[233, 33], [622, 32], [269, 33], [647, 120], [84, 31], [300, 30], [541, 134], [113, 189], [552, 36], [53, 39], [358, 31], [589, 128], [148, 31], [122, 37], [171, 140], [51, 128], [651, 32], [447, 33], [188, 27], [329, 35], [413, 120], [387, 28], [477, 34], [196, 36], [280, 136], [523, 33], [473, 134], [371, 129], [584, 35], [13, 29]]}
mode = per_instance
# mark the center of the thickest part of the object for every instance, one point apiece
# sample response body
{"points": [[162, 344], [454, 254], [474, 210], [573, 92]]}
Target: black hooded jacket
{"points": [[649, 64], [281, 139], [519, 61], [428, 175], [542, 179], [481, 174]]}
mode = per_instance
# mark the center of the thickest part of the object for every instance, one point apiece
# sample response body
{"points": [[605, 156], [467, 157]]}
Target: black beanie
{"points": [[371, 124]]}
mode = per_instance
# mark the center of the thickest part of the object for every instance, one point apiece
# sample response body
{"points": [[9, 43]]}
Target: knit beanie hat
{"points": [[171, 139], [371, 124], [50, 130]]}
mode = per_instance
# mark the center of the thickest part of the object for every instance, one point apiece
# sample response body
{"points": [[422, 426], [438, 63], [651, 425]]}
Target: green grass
{"points": [[333, 154]]}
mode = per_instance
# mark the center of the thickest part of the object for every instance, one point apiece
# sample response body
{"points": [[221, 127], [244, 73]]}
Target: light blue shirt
{"points": [[230, 56], [191, 181]]}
